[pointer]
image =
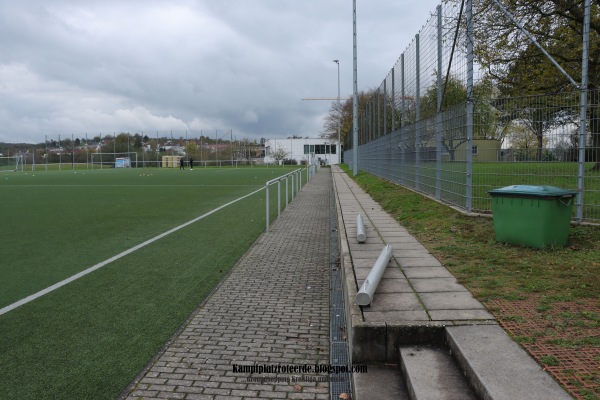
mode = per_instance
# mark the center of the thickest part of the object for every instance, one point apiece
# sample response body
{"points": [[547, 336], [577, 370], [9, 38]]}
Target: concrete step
{"points": [[430, 373], [381, 382], [498, 368]]}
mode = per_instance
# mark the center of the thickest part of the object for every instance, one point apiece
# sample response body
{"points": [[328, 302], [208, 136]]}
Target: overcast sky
{"points": [[76, 67]]}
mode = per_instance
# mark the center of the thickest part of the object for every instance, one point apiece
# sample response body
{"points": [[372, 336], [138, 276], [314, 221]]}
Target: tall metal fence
{"points": [[457, 151]]}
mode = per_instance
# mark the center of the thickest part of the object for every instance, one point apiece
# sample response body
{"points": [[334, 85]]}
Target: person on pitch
{"points": [[191, 163], [181, 164]]}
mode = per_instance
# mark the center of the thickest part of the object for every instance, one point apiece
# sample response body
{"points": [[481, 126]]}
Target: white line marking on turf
{"points": [[129, 186], [62, 283]]}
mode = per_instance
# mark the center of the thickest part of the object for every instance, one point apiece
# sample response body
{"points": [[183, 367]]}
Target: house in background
{"points": [[302, 150]]}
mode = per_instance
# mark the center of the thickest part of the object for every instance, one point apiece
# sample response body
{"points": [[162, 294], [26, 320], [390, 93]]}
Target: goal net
{"points": [[113, 160], [13, 163]]}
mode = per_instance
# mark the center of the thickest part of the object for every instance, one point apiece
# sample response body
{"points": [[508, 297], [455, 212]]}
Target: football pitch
{"points": [[91, 336]]}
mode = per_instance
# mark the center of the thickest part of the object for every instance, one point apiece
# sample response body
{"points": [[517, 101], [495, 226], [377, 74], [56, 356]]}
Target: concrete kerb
{"points": [[374, 341], [353, 312]]}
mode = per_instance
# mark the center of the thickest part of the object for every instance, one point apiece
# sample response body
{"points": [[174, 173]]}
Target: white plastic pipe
{"points": [[360, 229], [367, 290]]}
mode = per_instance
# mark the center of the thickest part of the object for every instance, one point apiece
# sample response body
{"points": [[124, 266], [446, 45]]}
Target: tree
{"points": [[137, 141], [153, 144], [191, 148], [522, 140], [330, 126], [520, 68], [279, 154], [454, 100]]}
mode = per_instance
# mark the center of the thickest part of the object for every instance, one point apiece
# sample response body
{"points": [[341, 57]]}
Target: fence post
{"points": [[267, 192], [402, 119], [278, 199], [583, 110], [438, 147], [393, 127], [385, 160], [469, 16], [378, 114], [417, 114]]}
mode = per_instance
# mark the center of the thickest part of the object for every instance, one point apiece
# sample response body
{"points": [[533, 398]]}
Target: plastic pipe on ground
{"points": [[364, 297], [360, 229]]}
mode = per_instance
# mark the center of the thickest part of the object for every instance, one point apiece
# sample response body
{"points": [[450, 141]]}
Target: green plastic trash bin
{"points": [[533, 216]]}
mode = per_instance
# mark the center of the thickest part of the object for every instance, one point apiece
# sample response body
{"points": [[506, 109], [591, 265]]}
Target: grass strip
{"points": [[533, 286]]}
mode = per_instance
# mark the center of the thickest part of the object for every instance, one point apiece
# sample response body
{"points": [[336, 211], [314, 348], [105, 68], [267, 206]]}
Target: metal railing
{"points": [[292, 188]]}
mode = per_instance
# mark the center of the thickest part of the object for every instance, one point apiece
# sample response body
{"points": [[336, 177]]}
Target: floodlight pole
{"points": [[354, 99], [339, 115]]}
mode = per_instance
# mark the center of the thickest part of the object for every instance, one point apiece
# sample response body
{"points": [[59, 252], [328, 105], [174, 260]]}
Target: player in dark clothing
{"points": [[181, 163], [191, 163]]}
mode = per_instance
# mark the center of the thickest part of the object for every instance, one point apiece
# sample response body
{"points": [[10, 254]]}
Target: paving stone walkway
{"points": [[273, 309], [415, 286]]}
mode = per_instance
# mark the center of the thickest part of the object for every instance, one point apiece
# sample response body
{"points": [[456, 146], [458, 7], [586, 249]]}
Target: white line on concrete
{"points": [[62, 283]]}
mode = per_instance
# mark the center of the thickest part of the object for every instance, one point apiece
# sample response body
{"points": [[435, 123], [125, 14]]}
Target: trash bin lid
{"points": [[533, 191]]}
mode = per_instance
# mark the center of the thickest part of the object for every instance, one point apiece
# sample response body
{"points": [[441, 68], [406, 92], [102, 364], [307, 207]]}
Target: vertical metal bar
{"points": [[583, 109], [339, 120], [286, 191], [385, 159], [293, 187], [385, 107], [378, 114], [372, 120], [469, 194], [418, 114], [393, 104], [438, 156], [267, 202], [278, 198], [402, 119], [354, 96]]}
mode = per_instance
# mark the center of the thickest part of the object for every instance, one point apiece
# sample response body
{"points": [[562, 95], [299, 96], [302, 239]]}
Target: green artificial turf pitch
{"points": [[90, 338]]}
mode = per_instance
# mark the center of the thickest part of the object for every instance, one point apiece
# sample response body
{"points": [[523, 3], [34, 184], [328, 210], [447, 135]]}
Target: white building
{"points": [[323, 151]]}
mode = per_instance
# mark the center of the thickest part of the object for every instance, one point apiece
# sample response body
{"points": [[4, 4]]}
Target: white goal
{"points": [[113, 160], [12, 163]]}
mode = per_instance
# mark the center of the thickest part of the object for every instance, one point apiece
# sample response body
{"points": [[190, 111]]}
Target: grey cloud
{"points": [[101, 66]]}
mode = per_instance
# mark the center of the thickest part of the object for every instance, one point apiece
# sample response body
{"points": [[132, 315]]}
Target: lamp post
{"points": [[339, 149], [354, 98]]}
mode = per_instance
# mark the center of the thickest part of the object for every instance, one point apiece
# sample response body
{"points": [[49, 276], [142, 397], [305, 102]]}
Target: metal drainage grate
{"points": [[338, 347]]}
